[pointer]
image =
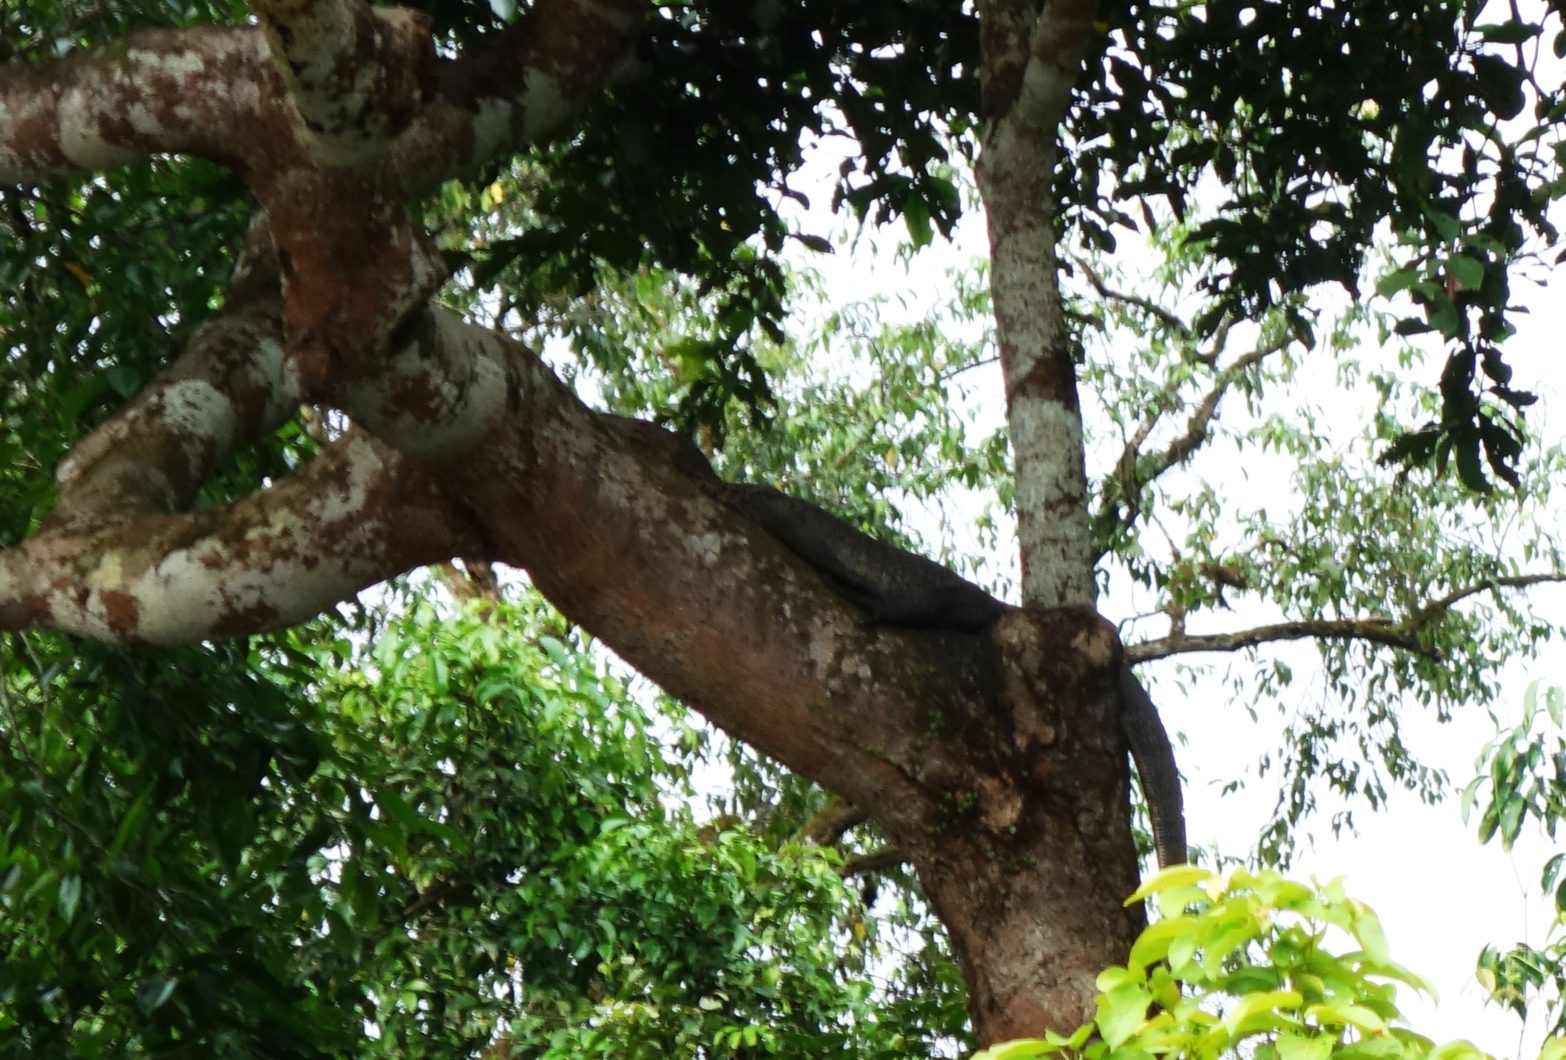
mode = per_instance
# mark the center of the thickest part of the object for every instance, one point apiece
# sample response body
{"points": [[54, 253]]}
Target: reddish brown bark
{"points": [[993, 761]]}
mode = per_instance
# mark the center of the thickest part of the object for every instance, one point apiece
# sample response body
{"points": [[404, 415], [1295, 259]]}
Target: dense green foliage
{"points": [[104, 281], [442, 827]]}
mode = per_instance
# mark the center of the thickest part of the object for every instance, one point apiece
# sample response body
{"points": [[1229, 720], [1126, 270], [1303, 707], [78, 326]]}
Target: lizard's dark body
{"points": [[895, 587]]}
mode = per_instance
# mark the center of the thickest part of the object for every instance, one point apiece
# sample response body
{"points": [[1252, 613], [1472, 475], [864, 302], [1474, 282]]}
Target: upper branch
{"points": [[1120, 506], [1375, 630], [1058, 46], [1032, 58], [878, 860], [187, 91], [833, 821], [1433, 611], [522, 89], [1029, 62], [1406, 635]]}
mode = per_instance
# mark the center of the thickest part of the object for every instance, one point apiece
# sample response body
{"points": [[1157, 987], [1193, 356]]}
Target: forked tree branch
{"points": [[1120, 507], [1405, 635], [226, 390]]}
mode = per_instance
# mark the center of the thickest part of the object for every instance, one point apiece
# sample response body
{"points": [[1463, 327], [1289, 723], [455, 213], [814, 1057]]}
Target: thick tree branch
{"points": [[355, 515], [709, 607], [722, 615], [437, 395], [917, 724], [357, 74], [478, 451], [226, 390], [878, 860], [188, 91]]}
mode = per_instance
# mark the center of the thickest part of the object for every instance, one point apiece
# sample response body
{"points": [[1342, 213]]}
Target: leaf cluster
{"points": [[1324, 124], [141, 878], [102, 281], [456, 835], [692, 177], [1250, 965], [1522, 781], [34, 30]]}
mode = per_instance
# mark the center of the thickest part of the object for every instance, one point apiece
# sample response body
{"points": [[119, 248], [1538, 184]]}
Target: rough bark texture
{"points": [[894, 587], [991, 756], [1030, 61]]}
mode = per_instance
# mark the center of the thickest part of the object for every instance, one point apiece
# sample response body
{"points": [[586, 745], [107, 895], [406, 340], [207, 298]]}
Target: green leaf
{"points": [[1367, 929], [1397, 280], [1294, 1045], [1468, 272], [1021, 1049], [68, 897], [1153, 943], [130, 824], [1260, 1011], [153, 992], [1444, 317], [916, 215], [1513, 31], [1342, 1014], [1121, 1011]]}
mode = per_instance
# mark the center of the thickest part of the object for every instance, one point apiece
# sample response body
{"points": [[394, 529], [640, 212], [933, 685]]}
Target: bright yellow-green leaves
{"points": [[1256, 965]]}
